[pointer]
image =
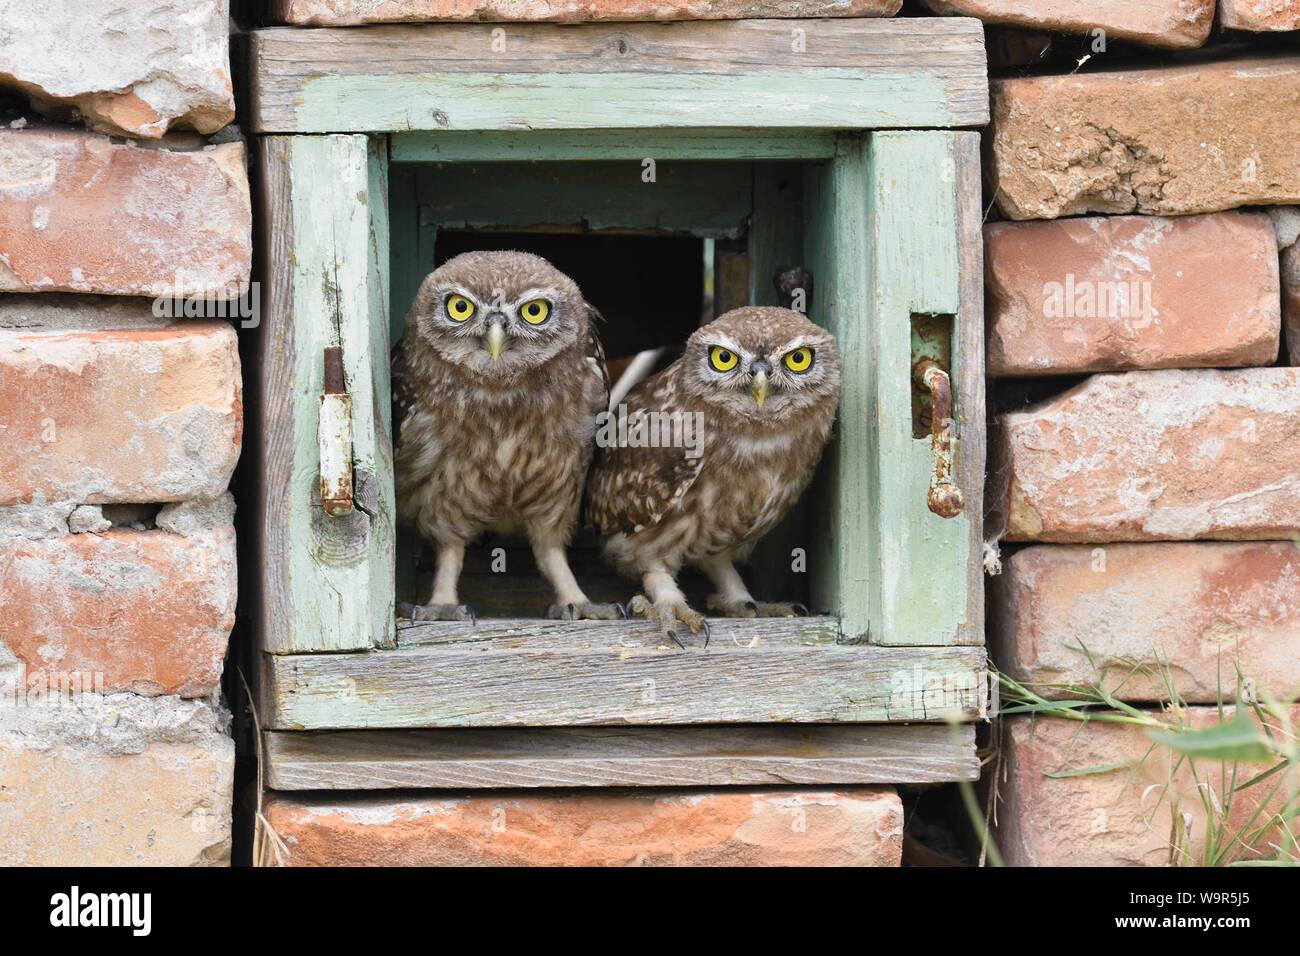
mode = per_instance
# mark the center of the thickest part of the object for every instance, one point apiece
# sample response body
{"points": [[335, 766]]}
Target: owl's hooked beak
{"points": [[758, 381], [495, 339]]}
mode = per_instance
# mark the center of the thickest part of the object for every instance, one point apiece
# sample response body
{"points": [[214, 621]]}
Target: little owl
{"points": [[764, 383], [496, 386]]}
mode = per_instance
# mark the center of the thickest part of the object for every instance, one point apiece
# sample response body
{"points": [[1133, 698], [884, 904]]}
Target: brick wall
{"points": [[120, 182], [1144, 472]]}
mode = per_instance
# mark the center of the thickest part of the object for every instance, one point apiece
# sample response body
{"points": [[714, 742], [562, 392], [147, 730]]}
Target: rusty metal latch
{"points": [[944, 498], [335, 438]]}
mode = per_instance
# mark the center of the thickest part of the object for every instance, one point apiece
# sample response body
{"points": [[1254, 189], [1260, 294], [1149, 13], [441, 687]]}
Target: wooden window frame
{"points": [[893, 203]]}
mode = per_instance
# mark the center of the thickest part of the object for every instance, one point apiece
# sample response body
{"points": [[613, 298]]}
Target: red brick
{"points": [[134, 415], [1259, 16], [83, 214], [353, 12], [1122, 817], [130, 68], [860, 826], [1193, 612], [1145, 456], [1110, 293], [62, 805], [142, 611], [1170, 141], [1163, 23]]}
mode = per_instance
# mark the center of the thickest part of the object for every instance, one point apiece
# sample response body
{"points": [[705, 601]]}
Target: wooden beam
{"points": [[528, 673], [611, 145], [702, 199], [620, 757], [969, 372], [768, 74]]}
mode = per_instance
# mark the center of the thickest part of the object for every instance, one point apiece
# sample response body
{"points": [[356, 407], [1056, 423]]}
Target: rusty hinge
{"points": [[335, 438], [944, 498]]}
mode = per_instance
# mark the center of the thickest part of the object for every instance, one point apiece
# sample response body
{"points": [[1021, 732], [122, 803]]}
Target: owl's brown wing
{"points": [[632, 488], [595, 353], [403, 394]]}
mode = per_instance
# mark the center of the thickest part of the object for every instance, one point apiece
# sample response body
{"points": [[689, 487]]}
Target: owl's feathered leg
{"points": [[442, 605], [666, 605], [571, 603], [732, 598]]}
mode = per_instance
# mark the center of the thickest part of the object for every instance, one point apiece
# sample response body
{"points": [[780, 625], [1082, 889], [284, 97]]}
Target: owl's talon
{"points": [[436, 612], [584, 612], [751, 608], [670, 617]]}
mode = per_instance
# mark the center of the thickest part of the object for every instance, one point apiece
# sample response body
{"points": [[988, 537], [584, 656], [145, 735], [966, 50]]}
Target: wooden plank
{"points": [[539, 634], [969, 369], [768, 74], [326, 582], [609, 145], [826, 754], [842, 498], [701, 199], [921, 568], [603, 673]]}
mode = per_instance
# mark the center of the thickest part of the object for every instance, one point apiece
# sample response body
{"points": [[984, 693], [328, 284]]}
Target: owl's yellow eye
{"points": [[536, 311], [723, 360], [799, 360], [459, 308]]}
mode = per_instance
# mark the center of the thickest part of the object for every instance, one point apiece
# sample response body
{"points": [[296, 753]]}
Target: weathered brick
{"points": [[132, 415], [1291, 300], [81, 213], [859, 826], [1121, 817], [1193, 612], [1105, 293], [353, 12], [130, 66], [1163, 23], [1145, 456], [1260, 16], [1171, 141], [169, 602], [169, 805]]}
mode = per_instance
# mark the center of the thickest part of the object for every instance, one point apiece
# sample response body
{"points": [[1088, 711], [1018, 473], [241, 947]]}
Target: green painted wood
{"points": [[826, 99], [530, 673], [920, 569], [769, 74], [327, 582], [775, 241], [607, 145], [703, 199], [842, 502]]}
